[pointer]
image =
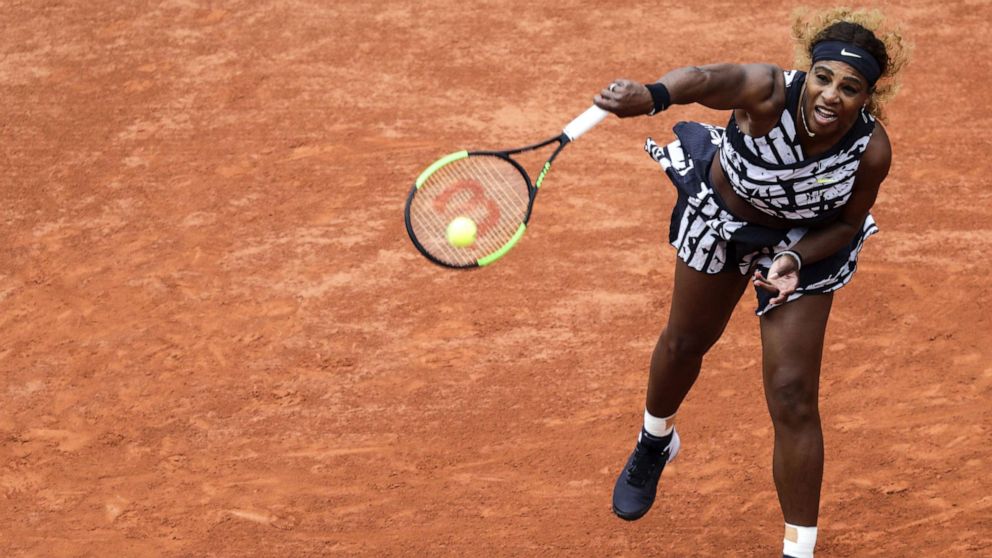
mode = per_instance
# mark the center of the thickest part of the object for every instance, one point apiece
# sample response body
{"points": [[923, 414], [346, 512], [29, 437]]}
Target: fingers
{"points": [[611, 95], [781, 287], [604, 104], [624, 97], [761, 282], [783, 296], [779, 299], [617, 89]]}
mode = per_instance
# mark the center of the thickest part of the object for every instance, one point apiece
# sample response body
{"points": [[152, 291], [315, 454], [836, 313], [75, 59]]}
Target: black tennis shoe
{"points": [[638, 482]]}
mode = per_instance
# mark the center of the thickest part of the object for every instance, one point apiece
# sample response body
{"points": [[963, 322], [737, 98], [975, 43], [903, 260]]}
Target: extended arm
{"points": [[756, 89]]}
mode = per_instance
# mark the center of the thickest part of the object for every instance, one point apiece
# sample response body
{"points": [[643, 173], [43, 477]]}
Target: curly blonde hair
{"points": [[865, 28]]}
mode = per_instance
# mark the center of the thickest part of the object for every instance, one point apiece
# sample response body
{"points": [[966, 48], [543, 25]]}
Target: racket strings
{"points": [[496, 223], [489, 190]]}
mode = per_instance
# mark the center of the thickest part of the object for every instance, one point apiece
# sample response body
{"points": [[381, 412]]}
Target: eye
{"points": [[852, 91], [822, 78]]}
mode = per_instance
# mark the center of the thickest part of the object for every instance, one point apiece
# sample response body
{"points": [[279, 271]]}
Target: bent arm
{"points": [[817, 244], [757, 89], [821, 243]]}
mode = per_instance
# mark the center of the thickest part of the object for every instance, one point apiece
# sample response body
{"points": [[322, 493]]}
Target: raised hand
{"points": [[625, 98]]}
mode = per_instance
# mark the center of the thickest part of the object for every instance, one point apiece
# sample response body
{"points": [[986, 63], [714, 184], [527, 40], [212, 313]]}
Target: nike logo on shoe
{"points": [[844, 52]]}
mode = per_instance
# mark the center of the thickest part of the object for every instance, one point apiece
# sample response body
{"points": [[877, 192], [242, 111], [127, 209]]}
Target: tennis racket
{"points": [[488, 187]]}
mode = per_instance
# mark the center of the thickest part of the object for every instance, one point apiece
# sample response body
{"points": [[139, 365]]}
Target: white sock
{"points": [[799, 541], [658, 427]]}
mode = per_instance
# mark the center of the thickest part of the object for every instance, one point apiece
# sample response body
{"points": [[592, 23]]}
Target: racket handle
{"points": [[585, 122]]}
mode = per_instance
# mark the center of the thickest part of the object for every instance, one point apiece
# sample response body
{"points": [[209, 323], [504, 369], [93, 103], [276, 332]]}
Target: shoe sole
{"points": [[629, 517], [674, 447]]}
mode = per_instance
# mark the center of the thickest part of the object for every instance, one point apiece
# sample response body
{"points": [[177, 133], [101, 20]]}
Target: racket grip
{"points": [[585, 122]]}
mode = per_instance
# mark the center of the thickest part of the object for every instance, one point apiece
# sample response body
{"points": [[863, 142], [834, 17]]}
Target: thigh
{"points": [[702, 303], [792, 342]]}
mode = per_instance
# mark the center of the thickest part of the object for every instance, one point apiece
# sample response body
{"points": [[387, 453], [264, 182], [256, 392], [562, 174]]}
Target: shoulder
{"points": [[877, 158], [767, 81], [769, 72], [765, 97], [875, 162]]}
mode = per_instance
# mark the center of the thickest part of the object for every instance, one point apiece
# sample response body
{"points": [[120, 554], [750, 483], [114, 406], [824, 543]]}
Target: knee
{"points": [[792, 401], [683, 346]]}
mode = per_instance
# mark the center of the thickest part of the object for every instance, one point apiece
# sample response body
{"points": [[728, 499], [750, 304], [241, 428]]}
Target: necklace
{"points": [[802, 112]]}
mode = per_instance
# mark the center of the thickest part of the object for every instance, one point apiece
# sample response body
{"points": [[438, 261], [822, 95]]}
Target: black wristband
{"points": [[660, 97]]}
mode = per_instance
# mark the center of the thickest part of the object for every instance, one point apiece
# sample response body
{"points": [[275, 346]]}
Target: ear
{"points": [[871, 93]]}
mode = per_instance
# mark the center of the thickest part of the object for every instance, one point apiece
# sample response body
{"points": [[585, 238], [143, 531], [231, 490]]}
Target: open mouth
{"points": [[824, 116]]}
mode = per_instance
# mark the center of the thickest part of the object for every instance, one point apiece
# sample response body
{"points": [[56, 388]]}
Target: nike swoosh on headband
{"points": [[844, 52]]}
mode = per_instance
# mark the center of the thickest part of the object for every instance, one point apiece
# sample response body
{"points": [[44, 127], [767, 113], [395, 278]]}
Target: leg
{"points": [[701, 307], [792, 346]]}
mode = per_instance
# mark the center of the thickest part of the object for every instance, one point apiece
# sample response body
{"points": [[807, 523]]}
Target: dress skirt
{"points": [[712, 240]]}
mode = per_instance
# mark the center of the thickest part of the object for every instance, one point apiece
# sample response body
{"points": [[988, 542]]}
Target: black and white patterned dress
{"points": [[772, 173]]}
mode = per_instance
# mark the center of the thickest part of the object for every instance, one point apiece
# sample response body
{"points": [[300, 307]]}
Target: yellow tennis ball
{"points": [[461, 232]]}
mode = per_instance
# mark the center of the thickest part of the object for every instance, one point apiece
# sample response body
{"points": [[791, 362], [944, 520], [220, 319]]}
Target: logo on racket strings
{"points": [[476, 199]]}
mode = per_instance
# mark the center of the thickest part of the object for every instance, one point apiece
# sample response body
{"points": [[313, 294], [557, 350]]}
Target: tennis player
{"points": [[780, 198]]}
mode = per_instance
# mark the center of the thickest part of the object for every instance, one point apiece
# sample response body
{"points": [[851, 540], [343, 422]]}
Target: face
{"points": [[835, 94]]}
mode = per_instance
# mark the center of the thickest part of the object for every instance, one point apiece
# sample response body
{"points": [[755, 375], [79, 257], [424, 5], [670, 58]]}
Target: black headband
{"points": [[854, 56]]}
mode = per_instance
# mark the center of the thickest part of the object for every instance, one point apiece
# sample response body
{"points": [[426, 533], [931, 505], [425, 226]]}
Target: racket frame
{"points": [[532, 188], [577, 127]]}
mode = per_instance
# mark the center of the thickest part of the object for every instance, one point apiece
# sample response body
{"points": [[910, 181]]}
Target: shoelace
{"points": [[643, 465]]}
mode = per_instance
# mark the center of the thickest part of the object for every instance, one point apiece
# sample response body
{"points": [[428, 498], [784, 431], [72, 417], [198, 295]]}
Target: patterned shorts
{"points": [[712, 240]]}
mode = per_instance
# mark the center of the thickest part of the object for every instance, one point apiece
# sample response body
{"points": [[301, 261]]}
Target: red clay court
{"points": [[217, 339]]}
